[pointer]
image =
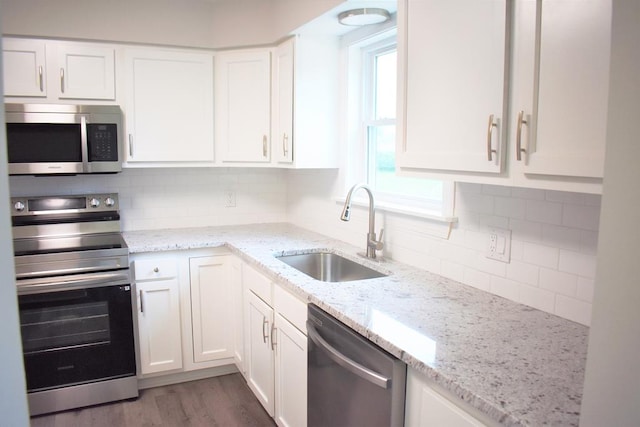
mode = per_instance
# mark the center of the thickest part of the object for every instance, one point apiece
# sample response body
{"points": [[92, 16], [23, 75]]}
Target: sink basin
{"points": [[330, 267]]}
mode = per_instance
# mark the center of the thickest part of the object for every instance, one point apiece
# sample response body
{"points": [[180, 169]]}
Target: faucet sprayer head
{"points": [[346, 212]]}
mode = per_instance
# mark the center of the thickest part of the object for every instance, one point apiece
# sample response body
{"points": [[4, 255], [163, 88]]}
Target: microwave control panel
{"points": [[103, 142]]}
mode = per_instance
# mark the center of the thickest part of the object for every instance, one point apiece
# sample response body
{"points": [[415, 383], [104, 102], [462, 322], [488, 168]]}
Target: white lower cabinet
{"points": [[275, 349], [291, 374], [426, 407], [184, 301], [158, 308], [211, 304], [260, 357]]}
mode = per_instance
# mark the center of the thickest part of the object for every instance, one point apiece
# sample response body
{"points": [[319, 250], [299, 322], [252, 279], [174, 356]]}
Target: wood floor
{"points": [[224, 401]]}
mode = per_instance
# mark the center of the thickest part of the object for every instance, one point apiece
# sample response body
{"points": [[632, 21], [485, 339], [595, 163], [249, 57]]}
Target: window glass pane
{"points": [[382, 168], [385, 86]]}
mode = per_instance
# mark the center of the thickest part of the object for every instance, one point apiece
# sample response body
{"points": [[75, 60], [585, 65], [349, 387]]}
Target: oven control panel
{"points": [[75, 204]]}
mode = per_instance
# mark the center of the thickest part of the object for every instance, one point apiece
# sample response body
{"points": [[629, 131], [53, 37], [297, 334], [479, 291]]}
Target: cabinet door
{"points": [[24, 68], [159, 326], [259, 354], [291, 374], [169, 109], [243, 105], [452, 58], [425, 407], [562, 88], [85, 72], [211, 304], [238, 313], [283, 68]]}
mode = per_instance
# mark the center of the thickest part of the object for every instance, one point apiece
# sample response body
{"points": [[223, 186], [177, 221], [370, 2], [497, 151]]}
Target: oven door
{"points": [[76, 329]]}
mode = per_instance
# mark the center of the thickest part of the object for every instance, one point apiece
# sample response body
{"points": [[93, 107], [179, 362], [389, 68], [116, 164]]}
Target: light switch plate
{"points": [[499, 246]]}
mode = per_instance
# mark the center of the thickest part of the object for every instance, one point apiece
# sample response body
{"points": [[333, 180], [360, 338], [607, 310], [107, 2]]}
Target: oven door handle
{"points": [[72, 282]]}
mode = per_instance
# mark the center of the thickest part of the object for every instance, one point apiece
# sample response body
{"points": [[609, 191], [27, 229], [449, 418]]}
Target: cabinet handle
{"points": [[141, 301], [62, 80], [519, 149], [489, 133], [264, 145], [265, 331], [40, 80], [285, 143], [273, 334], [130, 145]]}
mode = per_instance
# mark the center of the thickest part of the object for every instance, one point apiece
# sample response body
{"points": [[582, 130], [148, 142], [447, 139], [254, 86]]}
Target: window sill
{"points": [[438, 225]]}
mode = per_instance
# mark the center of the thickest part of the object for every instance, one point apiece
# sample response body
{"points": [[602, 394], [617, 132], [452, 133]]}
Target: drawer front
{"points": [[257, 283], [291, 308], [153, 269]]}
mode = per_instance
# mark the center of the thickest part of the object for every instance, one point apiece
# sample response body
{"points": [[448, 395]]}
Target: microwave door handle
{"points": [[85, 144]]}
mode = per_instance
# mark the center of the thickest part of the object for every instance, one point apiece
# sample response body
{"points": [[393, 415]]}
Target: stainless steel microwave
{"points": [[49, 139]]}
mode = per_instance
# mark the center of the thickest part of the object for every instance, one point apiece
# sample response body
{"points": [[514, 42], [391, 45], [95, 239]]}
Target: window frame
{"points": [[361, 53]]}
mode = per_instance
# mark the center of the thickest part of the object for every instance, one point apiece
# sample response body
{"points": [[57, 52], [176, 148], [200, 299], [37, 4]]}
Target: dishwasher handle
{"points": [[350, 365]]}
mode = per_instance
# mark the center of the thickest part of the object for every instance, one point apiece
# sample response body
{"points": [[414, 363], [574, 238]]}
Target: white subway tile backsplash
{"points": [[523, 272], [545, 212], [573, 309], [475, 202], [452, 270], [496, 268], [525, 231], [477, 279], [537, 298], [510, 207], [565, 197], [581, 216], [528, 193], [577, 263], [496, 190], [561, 237], [543, 256], [505, 288], [558, 282], [585, 289]]}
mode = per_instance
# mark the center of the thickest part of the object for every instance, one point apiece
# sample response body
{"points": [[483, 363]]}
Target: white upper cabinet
{"points": [[243, 105], [306, 102], [24, 68], [282, 110], [169, 106], [56, 70], [452, 56], [561, 90]]}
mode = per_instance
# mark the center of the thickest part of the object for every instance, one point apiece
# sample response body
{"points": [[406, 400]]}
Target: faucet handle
{"points": [[379, 244]]}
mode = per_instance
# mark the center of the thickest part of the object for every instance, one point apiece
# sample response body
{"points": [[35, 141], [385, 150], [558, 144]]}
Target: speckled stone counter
{"points": [[518, 365]]}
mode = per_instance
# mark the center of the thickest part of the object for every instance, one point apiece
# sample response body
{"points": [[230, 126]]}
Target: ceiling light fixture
{"points": [[363, 16]]}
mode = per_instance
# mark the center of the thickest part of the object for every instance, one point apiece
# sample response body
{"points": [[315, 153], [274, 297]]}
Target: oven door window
{"points": [[78, 336], [65, 327]]}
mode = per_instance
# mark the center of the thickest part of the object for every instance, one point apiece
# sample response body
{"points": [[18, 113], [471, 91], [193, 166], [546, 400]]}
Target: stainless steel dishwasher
{"points": [[351, 381]]}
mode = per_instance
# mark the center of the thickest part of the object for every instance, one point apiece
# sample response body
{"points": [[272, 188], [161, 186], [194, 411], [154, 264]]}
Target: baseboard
{"points": [[182, 377]]}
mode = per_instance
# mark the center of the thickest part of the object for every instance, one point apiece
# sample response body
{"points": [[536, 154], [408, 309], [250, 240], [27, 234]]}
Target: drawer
{"points": [[153, 269], [291, 308], [256, 282]]}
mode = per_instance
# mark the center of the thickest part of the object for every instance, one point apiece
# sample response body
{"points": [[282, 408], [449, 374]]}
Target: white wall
{"points": [[176, 198], [189, 23], [612, 382], [554, 242], [13, 397]]}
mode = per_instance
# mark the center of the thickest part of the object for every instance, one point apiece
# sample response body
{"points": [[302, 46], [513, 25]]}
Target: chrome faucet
{"points": [[373, 245]]}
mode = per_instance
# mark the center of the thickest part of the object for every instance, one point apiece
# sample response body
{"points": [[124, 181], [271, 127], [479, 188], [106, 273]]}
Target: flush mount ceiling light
{"points": [[363, 16]]}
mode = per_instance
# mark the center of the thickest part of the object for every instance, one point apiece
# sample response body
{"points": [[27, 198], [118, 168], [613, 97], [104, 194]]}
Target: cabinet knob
{"points": [[156, 269]]}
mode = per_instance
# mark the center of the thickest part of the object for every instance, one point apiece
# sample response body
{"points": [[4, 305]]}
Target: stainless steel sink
{"points": [[330, 267]]}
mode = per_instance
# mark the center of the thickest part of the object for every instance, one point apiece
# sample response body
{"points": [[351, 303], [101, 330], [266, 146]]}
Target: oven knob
{"points": [[94, 202], [109, 202], [19, 206]]}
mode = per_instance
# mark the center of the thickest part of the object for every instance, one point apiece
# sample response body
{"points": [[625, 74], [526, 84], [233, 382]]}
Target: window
{"points": [[373, 67]]}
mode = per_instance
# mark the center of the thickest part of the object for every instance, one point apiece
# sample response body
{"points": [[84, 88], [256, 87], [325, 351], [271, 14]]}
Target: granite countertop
{"points": [[518, 365]]}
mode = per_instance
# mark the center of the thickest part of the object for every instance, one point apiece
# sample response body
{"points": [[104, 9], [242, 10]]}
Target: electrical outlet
{"points": [[230, 199], [499, 247]]}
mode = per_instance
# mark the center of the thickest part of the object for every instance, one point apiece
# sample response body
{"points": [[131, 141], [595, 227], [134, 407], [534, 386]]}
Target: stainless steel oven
{"points": [[74, 294]]}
